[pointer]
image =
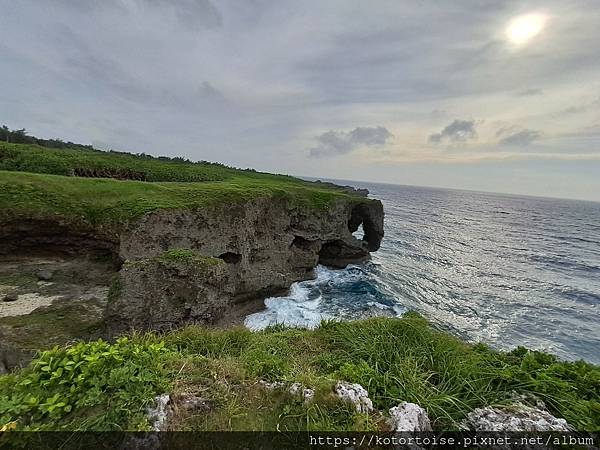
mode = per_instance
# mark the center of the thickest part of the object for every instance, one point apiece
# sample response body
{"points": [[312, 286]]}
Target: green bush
{"points": [[91, 386]]}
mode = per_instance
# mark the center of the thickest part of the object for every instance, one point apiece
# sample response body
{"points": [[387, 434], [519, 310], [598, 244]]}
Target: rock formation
{"points": [[356, 394], [243, 251], [173, 267], [514, 418], [409, 417]]}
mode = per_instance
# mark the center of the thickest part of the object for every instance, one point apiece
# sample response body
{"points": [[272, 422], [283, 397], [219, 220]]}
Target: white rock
{"points": [[158, 414], [355, 394], [409, 417], [295, 388], [518, 417], [271, 386], [307, 393]]}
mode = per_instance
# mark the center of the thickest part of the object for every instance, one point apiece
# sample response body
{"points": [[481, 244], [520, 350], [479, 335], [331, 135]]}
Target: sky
{"points": [[499, 96]]}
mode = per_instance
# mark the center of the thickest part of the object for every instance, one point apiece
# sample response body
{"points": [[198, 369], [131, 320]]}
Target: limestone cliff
{"points": [[182, 242], [238, 251], [243, 251]]}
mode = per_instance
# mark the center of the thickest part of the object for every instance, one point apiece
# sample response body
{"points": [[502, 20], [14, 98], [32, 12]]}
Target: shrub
{"points": [[111, 383]]}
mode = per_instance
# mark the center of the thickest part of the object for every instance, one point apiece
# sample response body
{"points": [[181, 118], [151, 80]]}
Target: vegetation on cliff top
{"points": [[88, 162], [37, 182], [107, 202], [185, 256], [173, 258], [102, 386], [24, 153]]}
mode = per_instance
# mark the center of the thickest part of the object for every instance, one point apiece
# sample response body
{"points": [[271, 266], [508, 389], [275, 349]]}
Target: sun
{"points": [[523, 28]]}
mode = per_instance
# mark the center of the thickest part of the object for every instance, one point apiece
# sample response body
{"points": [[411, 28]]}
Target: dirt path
{"points": [[25, 303]]}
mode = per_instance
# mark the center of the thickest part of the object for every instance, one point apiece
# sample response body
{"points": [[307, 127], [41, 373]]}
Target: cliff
{"points": [[182, 252], [193, 244], [233, 253]]}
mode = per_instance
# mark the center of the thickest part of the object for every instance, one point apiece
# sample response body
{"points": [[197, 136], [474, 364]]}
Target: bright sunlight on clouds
{"points": [[523, 28]]}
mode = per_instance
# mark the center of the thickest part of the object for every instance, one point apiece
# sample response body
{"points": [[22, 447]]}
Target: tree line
{"points": [[22, 137]]}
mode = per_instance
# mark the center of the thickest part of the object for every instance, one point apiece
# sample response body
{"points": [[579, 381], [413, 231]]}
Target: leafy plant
{"points": [[62, 386]]}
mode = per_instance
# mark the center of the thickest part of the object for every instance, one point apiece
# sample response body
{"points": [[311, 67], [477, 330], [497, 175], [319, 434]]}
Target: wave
{"points": [[333, 295]]}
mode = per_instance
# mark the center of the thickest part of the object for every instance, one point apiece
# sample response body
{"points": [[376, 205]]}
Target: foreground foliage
{"points": [[105, 386]]}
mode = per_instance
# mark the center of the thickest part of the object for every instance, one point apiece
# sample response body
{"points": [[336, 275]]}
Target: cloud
{"points": [[194, 13], [457, 131], [342, 142], [529, 92], [191, 13], [206, 79], [523, 137]]}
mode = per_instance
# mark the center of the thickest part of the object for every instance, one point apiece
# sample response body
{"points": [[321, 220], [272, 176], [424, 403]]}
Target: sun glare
{"points": [[522, 28]]}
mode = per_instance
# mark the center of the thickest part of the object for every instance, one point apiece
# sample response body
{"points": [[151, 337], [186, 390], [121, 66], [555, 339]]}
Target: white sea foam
{"points": [[310, 302]]}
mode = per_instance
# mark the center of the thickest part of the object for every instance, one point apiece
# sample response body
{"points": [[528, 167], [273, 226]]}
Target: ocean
{"points": [[505, 270]]}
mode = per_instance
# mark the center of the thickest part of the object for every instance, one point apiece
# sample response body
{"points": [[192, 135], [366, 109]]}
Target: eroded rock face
{"points": [[160, 293], [53, 235], [518, 417], [265, 246]]}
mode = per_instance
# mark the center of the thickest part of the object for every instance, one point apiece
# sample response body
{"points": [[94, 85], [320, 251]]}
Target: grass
{"points": [[105, 202], [51, 326], [38, 182], [181, 260], [394, 359], [189, 257], [68, 162]]}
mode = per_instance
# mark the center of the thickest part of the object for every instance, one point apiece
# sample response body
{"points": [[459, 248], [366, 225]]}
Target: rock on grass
{"points": [[409, 417], [44, 274], [518, 417], [10, 296], [355, 394]]}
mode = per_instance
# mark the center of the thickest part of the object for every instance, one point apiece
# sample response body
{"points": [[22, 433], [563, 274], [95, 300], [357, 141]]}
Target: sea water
{"points": [[505, 270]]}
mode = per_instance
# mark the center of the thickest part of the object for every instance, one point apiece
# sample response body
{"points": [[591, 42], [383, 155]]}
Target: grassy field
{"points": [[69, 162], [36, 182], [105, 386]]}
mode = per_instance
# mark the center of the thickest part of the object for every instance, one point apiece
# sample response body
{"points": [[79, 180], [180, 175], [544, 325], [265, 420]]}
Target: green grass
{"points": [[67, 162], [52, 325], [38, 182], [111, 202], [394, 359], [185, 256]]}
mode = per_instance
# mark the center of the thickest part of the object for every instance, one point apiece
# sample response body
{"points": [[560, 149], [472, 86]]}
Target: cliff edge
{"points": [[182, 251], [196, 266]]}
